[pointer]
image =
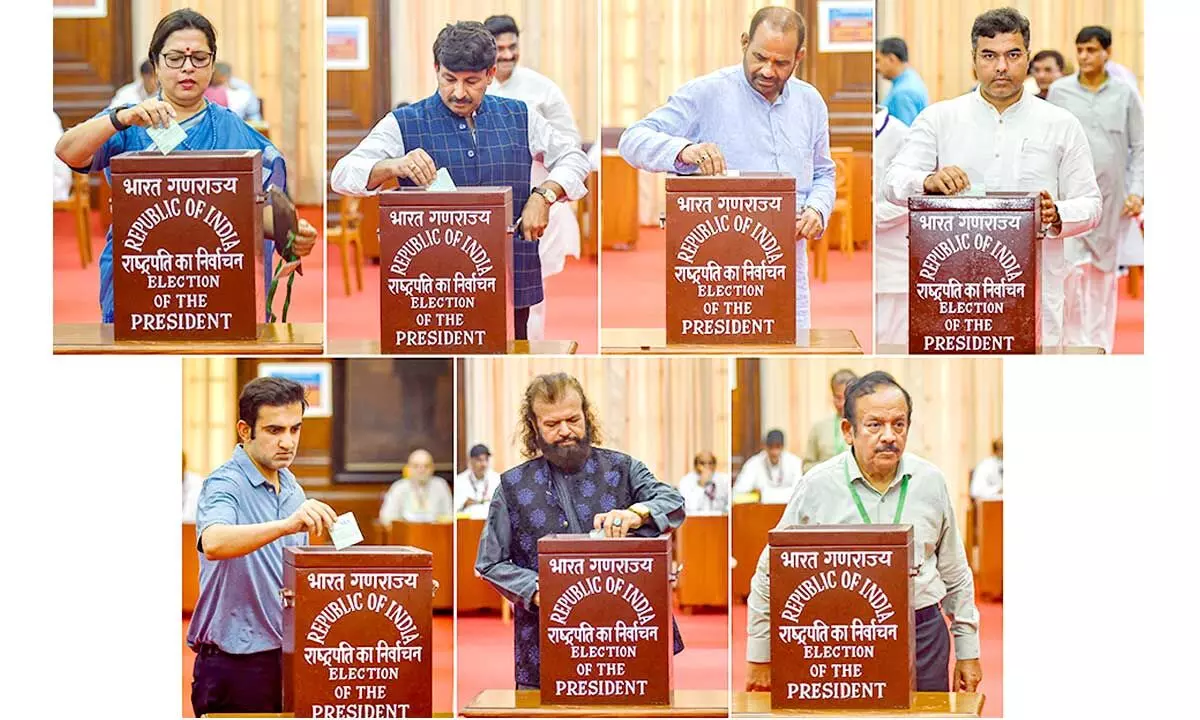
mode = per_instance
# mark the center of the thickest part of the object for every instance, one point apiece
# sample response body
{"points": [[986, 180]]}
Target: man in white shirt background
{"points": [[705, 489], [773, 472], [136, 92], [987, 479], [420, 496], [891, 238], [474, 487], [539, 92], [1001, 137]]}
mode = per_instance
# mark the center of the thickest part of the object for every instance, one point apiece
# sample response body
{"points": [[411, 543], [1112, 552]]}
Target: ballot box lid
{"points": [[583, 543], [993, 201], [152, 161], [839, 535], [744, 182], [358, 556], [419, 198]]}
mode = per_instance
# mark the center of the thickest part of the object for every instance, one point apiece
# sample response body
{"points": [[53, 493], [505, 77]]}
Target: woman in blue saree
{"points": [[183, 50]]}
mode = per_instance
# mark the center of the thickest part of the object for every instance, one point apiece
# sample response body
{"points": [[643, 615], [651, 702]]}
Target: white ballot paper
{"points": [[168, 138], [976, 190], [596, 534], [442, 181], [345, 531]]}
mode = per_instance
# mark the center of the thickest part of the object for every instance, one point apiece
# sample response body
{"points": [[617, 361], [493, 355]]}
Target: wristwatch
{"points": [[641, 510], [550, 195], [112, 116]]}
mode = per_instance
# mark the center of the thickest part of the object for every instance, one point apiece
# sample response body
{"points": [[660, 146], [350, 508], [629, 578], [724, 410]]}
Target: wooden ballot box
{"points": [[605, 620], [445, 281], [357, 632], [842, 617], [702, 549], [187, 245], [731, 260], [974, 283], [438, 539]]}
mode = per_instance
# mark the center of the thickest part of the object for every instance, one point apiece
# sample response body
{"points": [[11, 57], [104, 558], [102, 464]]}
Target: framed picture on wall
{"points": [[845, 26], [80, 8], [346, 43], [316, 377]]}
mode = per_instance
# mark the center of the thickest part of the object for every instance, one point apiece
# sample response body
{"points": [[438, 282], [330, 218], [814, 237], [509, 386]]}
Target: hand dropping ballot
{"points": [[168, 138], [345, 532], [442, 182]]}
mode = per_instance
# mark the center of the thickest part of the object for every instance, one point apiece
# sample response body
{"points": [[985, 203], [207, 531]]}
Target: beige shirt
{"points": [[824, 440], [943, 574], [406, 500]]}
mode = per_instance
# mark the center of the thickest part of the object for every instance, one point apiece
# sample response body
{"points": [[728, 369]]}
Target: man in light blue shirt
{"points": [[754, 118], [908, 96], [250, 509]]}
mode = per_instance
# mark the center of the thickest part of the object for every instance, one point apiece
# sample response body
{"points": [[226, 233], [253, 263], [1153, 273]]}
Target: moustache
{"points": [[887, 448]]}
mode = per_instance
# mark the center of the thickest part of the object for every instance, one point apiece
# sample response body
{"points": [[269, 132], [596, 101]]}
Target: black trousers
{"points": [[521, 323], [225, 683], [933, 650]]}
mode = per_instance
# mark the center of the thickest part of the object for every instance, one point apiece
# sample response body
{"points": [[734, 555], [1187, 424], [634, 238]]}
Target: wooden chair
{"points": [[843, 160], [349, 231], [79, 203]]}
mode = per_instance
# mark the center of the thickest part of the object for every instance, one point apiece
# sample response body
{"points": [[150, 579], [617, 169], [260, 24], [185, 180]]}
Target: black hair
{"points": [[999, 21], [783, 19], [465, 46], [866, 385], [181, 20], [844, 376], [147, 68], [894, 46], [497, 25], [270, 392], [1054, 55], [1095, 32]]}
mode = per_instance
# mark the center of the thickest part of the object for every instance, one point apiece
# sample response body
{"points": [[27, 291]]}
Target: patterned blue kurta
{"points": [[497, 154], [532, 494]]}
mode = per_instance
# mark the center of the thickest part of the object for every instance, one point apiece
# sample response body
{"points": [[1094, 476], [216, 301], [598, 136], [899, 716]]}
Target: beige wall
{"points": [[209, 411], [958, 406], [278, 46], [558, 39], [659, 410], [651, 47], [938, 33]]}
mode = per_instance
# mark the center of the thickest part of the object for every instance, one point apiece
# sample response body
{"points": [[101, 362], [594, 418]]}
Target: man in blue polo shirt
{"points": [[250, 508], [908, 96]]}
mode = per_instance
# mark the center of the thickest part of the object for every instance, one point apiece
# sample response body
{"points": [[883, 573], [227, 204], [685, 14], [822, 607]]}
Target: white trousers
{"points": [[891, 319], [1091, 307], [803, 307]]}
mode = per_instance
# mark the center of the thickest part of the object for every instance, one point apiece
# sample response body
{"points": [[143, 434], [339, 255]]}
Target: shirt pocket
{"points": [[1039, 162]]}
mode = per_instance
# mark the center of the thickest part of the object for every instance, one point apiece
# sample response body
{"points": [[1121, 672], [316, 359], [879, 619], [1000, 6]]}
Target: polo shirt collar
{"points": [[856, 473]]}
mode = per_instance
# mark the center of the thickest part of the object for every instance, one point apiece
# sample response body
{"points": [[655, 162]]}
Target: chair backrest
{"points": [[81, 189], [351, 216], [843, 160]]}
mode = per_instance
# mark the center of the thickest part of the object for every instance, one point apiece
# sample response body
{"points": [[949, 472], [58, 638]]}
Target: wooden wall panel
{"points": [[91, 60], [846, 82]]}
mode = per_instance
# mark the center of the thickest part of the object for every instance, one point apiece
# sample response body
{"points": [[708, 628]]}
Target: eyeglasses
{"points": [[176, 60]]}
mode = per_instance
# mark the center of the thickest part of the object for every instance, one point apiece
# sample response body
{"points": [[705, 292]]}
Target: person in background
{"points": [[475, 486], [891, 239], [1047, 66], [773, 472], [987, 479], [136, 92], [825, 438], [419, 496], [908, 96], [705, 490]]}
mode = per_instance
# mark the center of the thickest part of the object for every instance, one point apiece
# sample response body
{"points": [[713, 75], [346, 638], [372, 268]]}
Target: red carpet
{"points": [[634, 293], [571, 312], [486, 659], [1131, 321], [991, 626], [443, 665], [77, 290]]}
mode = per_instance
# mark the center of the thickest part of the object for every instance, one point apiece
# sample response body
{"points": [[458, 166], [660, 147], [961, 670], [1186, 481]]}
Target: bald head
{"points": [[783, 20], [420, 465]]}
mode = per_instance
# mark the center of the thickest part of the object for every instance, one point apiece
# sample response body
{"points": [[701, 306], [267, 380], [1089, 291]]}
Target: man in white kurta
{"points": [[774, 473], [475, 486], [539, 92], [891, 239], [1001, 137]]}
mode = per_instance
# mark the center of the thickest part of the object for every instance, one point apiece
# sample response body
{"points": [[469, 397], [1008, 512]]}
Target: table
{"points": [[702, 548], [515, 347], [892, 349], [990, 579], [273, 339], [473, 593], [751, 523], [925, 704], [627, 341], [619, 197], [528, 703], [437, 538]]}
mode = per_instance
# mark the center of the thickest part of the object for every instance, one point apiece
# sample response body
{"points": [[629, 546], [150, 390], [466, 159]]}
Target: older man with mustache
{"points": [[875, 481], [568, 486]]}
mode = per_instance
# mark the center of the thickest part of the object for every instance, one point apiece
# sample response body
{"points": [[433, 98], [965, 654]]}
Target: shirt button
{"points": [[470, 153], [462, 126], [997, 155]]}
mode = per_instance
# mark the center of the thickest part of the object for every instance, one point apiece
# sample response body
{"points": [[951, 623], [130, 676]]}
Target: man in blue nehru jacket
{"points": [[481, 140], [568, 486]]}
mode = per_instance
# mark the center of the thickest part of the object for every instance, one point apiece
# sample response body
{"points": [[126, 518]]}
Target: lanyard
{"points": [[862, 511], [839, 440]]}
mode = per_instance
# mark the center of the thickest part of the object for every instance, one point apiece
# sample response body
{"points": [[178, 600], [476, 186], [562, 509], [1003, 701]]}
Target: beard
{"points": [[568, 458]]}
